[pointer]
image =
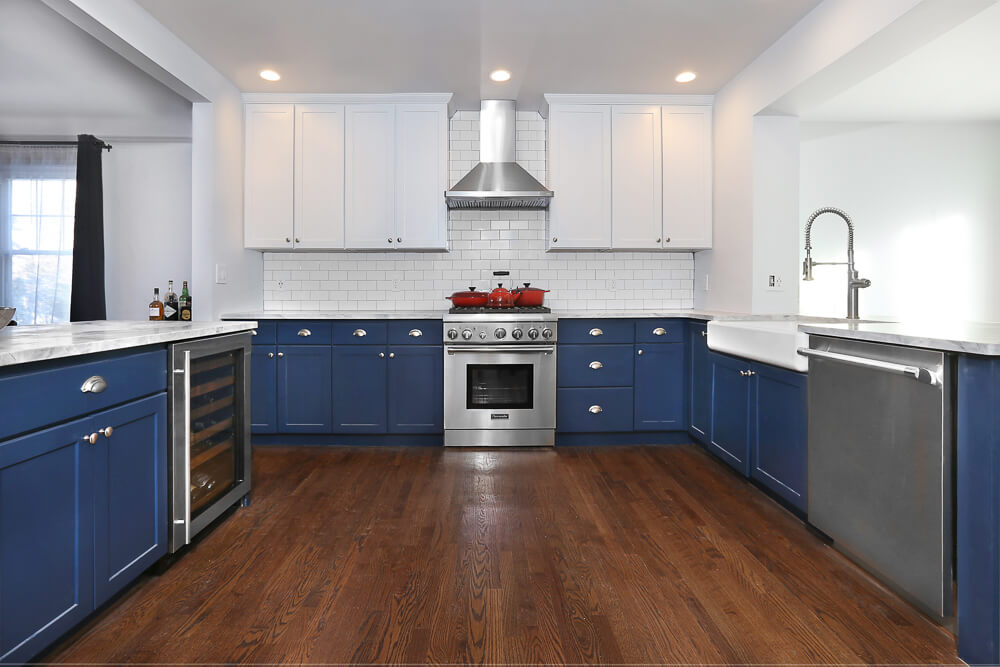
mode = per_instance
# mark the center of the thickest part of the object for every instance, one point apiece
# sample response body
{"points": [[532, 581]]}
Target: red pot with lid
{"points": [[470, 299], [529, 296]]}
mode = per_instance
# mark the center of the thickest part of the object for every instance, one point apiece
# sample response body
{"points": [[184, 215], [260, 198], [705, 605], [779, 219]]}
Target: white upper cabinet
{"points": [[636, 177], [370, 192], [319, 176], [579, 165], [268, 176], [421, 176], [687, 177]]}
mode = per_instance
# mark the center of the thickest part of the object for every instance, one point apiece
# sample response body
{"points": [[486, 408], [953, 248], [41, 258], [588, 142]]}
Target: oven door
{"points": [[500, 387]]}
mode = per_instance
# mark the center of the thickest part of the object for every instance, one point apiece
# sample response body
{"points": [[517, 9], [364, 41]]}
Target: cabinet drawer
{"points": [[659, 331], [596, 331], [416, 332], [55, 393], [304, 332], [266, 333], [595, 365], [612, 410], [358, 332]]}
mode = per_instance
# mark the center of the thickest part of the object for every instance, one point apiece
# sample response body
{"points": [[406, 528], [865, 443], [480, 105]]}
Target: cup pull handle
{"points": [[416, 333], [596, 332], [596, 365], [95, 384], [659, 331], [305, 333], [595, 409], [360, 333]]}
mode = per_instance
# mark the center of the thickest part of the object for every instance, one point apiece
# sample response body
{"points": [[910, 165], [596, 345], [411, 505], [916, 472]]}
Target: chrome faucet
{"points": [[854, 283]]}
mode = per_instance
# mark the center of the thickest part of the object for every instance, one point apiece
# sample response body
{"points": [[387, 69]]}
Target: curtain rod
{"points": [[105, 146]]}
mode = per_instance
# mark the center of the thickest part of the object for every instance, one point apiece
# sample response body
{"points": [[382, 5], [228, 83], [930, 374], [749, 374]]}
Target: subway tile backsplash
{"points": [[481, 242]]}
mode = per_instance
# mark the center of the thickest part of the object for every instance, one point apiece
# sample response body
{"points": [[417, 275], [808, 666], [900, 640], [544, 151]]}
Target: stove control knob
{"points": [[500, 333], [516, 334], [546, 333], [452, 334], [532, 334], [482, 335], [467, 334]]}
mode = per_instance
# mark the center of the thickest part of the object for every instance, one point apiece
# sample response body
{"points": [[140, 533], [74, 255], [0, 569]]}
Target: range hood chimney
{"points": [[497, 182]]}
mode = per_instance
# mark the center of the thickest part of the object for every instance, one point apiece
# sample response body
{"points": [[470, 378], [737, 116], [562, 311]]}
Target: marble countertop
{"points": [[438, 314], [944, 334], [24, 344]]}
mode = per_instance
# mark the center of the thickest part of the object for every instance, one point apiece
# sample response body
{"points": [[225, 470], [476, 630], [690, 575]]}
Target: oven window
{"points": [[490, 386]]}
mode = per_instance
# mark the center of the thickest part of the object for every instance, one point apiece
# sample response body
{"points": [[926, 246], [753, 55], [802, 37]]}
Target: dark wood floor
{"points": [[615, 555]]}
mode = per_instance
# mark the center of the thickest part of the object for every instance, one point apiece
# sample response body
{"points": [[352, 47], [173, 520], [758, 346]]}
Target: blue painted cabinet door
{"points": [[730, 438], [659, 387], [130, 493], [359, 388], [46, 537], [779, 432], [701, 382], [305, 402], [263, 389], [416, 389]]}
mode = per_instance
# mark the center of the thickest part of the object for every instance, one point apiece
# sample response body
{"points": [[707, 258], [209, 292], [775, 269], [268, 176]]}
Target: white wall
{"points": [[147, 231], [926, 206]]}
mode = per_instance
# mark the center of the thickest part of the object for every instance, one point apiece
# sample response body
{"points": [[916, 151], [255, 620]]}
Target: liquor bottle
{"points": [[156, 306], [170, 305], [185, 303]]}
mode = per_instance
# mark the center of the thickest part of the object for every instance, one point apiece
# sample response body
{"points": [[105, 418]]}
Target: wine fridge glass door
{"points": [[213, 428]]}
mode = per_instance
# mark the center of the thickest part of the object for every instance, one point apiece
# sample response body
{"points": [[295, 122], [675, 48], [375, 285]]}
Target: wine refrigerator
{"points": [[210, 432]]}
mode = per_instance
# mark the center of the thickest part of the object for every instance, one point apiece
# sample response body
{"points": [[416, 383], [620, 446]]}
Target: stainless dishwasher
{"points": [[880, 462]]}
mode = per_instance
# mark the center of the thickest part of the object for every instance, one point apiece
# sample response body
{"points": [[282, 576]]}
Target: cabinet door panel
{"points": [[263, 389], [595, 365], [359, 388], [304, 389], [370, 189], [594, 409], [421, 176], [659, 387], [780, 433], [731, 412], [319, 176], [46, 537], [130, 484], [579, 164], [636, 177], [268, 176], [416, 389], [687, 176], [701, 382]]}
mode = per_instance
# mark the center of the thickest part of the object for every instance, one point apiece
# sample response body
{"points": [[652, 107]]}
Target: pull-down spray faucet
{"points": [[854, 283]]}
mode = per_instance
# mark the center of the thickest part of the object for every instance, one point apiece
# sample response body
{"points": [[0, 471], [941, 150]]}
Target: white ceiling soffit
{"points": [[550, 46]]}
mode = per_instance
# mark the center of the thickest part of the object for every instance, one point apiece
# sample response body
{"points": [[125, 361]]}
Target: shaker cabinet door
{"points": [[730, 439], [263, 389], [360, 377], [416, 389], [370, 169], [319, 176], [421, 176], [659, 386], [687, 177], [636, 177], [304, 389], [701, 381], [268, 175]]}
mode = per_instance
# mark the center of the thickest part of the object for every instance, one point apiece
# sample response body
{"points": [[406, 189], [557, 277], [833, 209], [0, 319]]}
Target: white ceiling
{"points": [[954, 77], [550, 46]]}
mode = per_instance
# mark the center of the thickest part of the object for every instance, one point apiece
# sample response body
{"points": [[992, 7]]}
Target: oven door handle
{"points": [[546, 349]]}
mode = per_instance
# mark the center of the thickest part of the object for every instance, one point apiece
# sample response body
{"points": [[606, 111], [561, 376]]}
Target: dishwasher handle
{"points": [[922, 375]]}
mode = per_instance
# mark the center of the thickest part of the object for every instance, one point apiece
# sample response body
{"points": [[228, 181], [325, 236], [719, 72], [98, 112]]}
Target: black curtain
{"points": [[87, 301]]}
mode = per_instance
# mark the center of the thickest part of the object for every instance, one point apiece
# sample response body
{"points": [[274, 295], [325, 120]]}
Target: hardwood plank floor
{"points": [[426, 555]]}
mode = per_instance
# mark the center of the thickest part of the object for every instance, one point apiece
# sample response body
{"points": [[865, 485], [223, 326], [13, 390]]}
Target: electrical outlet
{"points": [[395, 285], [775, 283], [611, 283], [281, 284]]}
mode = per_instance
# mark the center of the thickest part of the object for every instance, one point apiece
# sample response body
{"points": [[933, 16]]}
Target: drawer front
{"points": [[55, 393], [595, 365], [660, 331], [593, 410], [360, 332], [416, 332], [304, 332], [267, 333], [596, 331]]}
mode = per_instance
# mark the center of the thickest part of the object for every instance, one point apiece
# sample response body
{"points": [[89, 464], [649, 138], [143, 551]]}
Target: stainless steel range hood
{"points": [[498, 182]]}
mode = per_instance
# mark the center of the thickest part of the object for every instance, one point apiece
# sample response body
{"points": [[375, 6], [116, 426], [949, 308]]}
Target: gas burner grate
{"points": [[483, 310]]}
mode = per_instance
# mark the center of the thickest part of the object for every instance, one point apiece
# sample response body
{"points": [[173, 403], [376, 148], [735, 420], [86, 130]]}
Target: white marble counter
{"points": [[336, 315], [24, 344], [944, 334]]}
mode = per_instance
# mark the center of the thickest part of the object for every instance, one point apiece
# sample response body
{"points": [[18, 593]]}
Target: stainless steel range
{"points": [[499, 377]]}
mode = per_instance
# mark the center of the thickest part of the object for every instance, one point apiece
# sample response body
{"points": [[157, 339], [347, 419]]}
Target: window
{"points": [[37, 202]]}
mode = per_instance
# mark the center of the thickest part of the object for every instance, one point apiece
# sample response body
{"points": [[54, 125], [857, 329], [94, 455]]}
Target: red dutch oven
{"points": [[472, 298], [529, 296]]}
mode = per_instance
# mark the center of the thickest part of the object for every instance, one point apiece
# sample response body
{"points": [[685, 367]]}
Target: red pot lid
{"points": [[471, 293], [527, 288]]}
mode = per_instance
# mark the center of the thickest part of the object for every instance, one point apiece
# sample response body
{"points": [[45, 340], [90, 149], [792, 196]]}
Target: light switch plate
{"points": [[221, 274]]}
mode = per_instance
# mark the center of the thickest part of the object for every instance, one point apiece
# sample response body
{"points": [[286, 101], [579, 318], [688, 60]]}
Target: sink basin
{"points": [[771, 341]]}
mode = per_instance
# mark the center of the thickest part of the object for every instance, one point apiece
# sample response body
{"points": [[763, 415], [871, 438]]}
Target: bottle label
{"points": [[185, 314], [168, 311], [154, 312]]}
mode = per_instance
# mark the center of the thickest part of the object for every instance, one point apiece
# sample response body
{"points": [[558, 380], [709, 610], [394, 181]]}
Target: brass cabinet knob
{"points": [[106, 431], [704, 333], [389, 240], [270, 355], [392, 355], [288, 239], [381, 355], [667, 240], [399, 239], [92, 438], [639, 353], [658, 240], [297, 240], [281, 354]]}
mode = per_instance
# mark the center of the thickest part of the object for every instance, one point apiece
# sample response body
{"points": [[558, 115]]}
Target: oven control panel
{"points": [[500, 332]]}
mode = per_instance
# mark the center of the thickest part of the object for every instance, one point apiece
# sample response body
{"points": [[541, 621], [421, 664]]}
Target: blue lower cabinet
{"points": [[263, 389], [360, 383], [659, 387], [779, 432], [595, 365], [305, 401], [130, 483], [46, 537], [730, 435], [594, 410], [416, 388], [700, 375]]}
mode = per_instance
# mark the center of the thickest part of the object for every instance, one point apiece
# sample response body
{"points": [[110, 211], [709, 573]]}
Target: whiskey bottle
{"points": [[156, 306], [185, 303], [170, 305]]}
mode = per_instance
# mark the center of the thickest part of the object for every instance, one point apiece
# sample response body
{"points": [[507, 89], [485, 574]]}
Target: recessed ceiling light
{"points": [[685, 77], [500, 75], [269, 75]]}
